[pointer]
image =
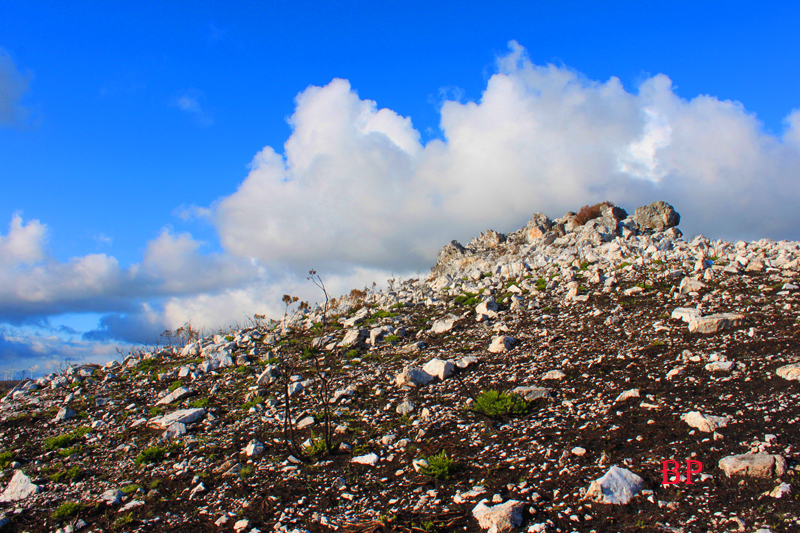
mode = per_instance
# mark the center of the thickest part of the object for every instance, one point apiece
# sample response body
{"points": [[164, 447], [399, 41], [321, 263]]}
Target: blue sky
{"points": [[139, 192]]}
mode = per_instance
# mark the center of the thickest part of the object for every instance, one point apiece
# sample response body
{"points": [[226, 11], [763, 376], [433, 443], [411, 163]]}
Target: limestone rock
{"points": [[760, 465], [443, 326], [254, 448], [685, 313], [791, 372], [177, 394], [439, 368], [532, 393], [370, 459], [658, 215], [501, 344], [19, 488], [184, 416], [503, 518], [413, 376], [704, 423], [618, 486], [715, 323]]}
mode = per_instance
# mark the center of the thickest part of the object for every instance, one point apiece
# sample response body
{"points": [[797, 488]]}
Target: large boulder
{"points": [[790, 372], [658, 216], [704, 423]]}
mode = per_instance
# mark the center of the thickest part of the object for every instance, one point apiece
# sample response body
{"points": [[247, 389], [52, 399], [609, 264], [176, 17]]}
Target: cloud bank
{"points": [[357, 195], [13, 87]]}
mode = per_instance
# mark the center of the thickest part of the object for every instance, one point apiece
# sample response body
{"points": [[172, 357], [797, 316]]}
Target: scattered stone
{"points": [[438, 368], [369, 459], [413, 376], [618, 486], [502, 518], [501, 344], [790, 372], [760, 465], [19, 488], [704, 423]]}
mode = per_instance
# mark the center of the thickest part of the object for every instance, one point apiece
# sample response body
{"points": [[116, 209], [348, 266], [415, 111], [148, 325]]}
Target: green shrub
{"points": [[66, 440], [392, 338], [67, 510], [154, 454], [66, 452], [541, 284], [175, 385], [439, 466], [156, 410], [496, 403]]}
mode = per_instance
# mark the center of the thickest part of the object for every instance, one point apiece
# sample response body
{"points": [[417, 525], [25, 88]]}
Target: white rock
{"points": [[501, 344], [632, 393], [502, 518], [184, 416], [65, 413], [685, 313], [254, 448], [413, 376], [405, 408], [791, 372], [370, 459], [439, 368], [175, 430], [720, 366], [241, 525], [704, 423], [618, 486], [177, 394], [270, 373], [305, 422], [19, 488], [715, 323], [442, 326], [784, 489], [111, 497], [760, 465], [554, 374]]}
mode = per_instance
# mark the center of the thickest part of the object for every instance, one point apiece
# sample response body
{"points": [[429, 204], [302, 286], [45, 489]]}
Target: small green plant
{"points": [[229, 338], [469, 299], [494, 403], [398, 305], [247, 471], [67, 510], [439, 466], [6, 458], [351, 354], [317, 447], [123, 521], [130, 489], [657, 342], [154, 454], [541, 284], [156, 411], [623, 265], [199, 403], [66, 475], [66, 452], [66, 440], [487, 275], [175, 384], [392, 338], [252, 403]]}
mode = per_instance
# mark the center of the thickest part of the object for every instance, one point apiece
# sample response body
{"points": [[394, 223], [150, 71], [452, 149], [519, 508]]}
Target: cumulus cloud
{"points": [[355, 194], [354, 185], [13, 87]]}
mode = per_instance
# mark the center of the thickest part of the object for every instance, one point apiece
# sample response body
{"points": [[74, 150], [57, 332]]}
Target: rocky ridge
{"points": [[535, 381]]}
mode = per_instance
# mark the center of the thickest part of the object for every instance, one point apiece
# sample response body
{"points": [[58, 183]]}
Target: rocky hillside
{"points": [[535, 381]]}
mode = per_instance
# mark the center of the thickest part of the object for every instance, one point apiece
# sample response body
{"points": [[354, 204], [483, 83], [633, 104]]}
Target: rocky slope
{"points": [[535, 381]]}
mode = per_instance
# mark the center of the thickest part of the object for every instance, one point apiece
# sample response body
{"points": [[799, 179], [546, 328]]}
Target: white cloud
{"points": [[354, 185], [190, 102], [13, 87], [356, 195]]}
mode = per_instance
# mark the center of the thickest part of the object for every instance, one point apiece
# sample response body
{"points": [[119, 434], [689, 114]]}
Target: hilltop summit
{"points": [[535, 381]]}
